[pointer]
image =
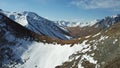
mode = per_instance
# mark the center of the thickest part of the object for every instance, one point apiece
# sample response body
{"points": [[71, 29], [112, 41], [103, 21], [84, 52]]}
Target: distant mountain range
{"points": [[98, 25], [74, 24]]}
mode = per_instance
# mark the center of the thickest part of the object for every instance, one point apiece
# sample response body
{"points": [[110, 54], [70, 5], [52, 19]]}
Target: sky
{"points": [[70, 10]]}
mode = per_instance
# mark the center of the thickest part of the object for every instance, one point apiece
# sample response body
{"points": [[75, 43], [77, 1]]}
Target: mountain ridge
{"points": [[38, 24]]}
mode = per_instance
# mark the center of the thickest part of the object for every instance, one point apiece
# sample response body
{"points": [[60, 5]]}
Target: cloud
{"points": [[94, 4]]}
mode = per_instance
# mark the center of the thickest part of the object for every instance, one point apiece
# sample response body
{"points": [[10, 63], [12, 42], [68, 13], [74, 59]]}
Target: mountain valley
{"points": [[28, 40]]}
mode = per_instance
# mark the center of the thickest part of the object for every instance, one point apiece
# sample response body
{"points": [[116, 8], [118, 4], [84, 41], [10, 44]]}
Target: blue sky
{"points": [[73, 10]]}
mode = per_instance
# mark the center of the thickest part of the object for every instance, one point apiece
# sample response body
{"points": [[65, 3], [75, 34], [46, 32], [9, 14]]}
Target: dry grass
{"points": [[84, 31]]}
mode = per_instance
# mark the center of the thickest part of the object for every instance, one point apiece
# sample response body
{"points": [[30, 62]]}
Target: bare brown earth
{"points": [[84, 31]]}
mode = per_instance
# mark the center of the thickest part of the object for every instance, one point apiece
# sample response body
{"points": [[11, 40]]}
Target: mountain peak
{"points": [[114, 16], [38, 24]]}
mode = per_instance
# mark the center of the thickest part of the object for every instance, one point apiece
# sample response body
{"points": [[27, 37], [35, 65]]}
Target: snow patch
{"points": [[115, 41], [87, 36], [114, 16], [87, 49], [80, 66], [89, 58], [96, 34], [103, 38]]}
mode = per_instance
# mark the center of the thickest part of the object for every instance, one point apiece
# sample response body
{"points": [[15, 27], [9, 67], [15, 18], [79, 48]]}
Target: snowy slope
{"points": [[38, 24], [47, 55], [39, 55]]}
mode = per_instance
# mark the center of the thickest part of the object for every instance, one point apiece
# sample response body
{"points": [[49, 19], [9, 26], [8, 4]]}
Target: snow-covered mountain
{"points": [[74, 24], [108, 21], [19, 49], [38, 24]]}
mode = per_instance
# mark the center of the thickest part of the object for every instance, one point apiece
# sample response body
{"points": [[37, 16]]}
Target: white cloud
{"points": [[93, 4]]}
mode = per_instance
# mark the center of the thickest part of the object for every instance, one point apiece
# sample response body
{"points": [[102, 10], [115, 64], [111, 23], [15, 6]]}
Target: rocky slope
{"points": [[104, 48]]}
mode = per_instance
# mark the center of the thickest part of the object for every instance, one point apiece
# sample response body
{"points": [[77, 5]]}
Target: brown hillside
{"points": [[84, 31]]}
